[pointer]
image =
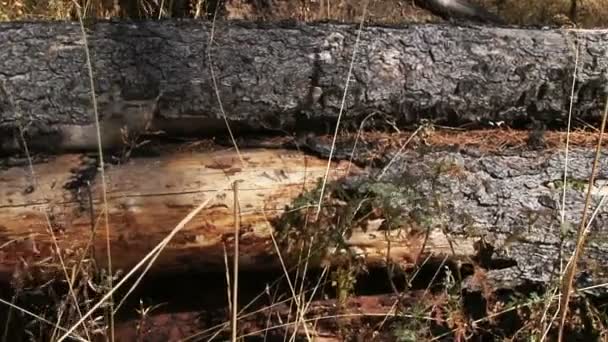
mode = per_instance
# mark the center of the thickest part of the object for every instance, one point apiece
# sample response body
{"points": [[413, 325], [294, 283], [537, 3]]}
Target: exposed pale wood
{"points": [[147, 197]]}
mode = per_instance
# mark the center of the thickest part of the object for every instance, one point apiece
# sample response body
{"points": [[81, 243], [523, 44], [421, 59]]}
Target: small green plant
{"points": [[406, 333], [346, 208], [571, 183], [415, 326], [343, 279]]}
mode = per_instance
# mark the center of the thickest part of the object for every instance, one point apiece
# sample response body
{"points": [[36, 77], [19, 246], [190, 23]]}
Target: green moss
{"points": [[571, 183]]}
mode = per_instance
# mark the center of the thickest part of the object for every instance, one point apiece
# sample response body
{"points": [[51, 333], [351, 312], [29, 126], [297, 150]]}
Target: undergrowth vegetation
{"points": [[586, 14], [445, 307]]}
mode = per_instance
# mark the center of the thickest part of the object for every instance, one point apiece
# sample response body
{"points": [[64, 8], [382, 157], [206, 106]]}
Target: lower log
{"points": [[148, 197], [495, 211]]}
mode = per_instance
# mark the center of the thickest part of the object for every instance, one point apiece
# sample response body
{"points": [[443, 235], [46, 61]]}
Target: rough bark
{"points": [[283, 77], [510, 204]]}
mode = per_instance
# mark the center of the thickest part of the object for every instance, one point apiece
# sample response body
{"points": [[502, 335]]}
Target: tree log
{"points": [[278, 77], [498, 212], [147, 198]]}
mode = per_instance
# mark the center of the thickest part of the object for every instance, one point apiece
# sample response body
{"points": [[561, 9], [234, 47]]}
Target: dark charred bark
{"points": [[284, 77]]}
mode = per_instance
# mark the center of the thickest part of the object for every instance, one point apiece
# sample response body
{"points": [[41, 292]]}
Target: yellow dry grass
{"points": [[589, 13]]}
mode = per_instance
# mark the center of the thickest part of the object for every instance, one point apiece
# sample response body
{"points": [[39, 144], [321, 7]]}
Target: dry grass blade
{"points": [[565, 180], [159, 247], [359, 131], [285, 271], [217, 91], [348, 315], [69, 280], [403, 146], [143, 273], [567, 147], [235, 270], [301, 294], [242, 315], [43, 320], [580, 239], [101, 161], [228, 282], [342, 104], [321, 282]]}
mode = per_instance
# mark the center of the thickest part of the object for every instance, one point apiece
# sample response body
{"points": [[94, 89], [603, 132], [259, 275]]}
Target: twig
{"points": [[101, 162], [235, 270], [342, 104]]}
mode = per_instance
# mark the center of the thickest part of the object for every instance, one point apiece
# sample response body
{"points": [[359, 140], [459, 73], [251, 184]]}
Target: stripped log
{"points": [[148, 197]]}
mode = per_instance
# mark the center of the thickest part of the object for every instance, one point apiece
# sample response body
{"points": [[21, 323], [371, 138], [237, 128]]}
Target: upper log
{"points": [[158, 75]]}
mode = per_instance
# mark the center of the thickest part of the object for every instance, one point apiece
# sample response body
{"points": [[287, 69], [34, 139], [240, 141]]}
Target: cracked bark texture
{"points": [[512, 203], [284, 76]]}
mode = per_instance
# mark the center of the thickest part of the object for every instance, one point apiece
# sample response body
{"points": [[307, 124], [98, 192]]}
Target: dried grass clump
{"points": [[589, 13]]}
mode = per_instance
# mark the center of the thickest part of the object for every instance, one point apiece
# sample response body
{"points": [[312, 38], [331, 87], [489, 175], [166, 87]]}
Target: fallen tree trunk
{"points": [[278, 77], [498, 212], [147, 198]]}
